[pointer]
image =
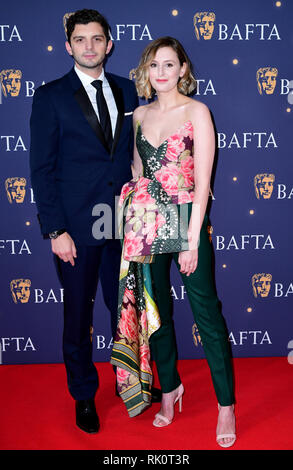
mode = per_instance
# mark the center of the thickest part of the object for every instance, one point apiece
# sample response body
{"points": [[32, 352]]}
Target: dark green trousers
{"points": [[205, 305]]}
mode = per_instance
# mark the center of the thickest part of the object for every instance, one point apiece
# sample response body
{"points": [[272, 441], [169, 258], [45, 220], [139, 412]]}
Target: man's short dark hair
{"points": [[86, 16]]}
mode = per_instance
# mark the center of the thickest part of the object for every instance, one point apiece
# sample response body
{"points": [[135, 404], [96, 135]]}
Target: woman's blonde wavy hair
{"points": [[186, 84]]}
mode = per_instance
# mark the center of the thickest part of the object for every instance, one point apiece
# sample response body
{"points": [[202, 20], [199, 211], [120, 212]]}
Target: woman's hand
{"points": [[188, 261]]}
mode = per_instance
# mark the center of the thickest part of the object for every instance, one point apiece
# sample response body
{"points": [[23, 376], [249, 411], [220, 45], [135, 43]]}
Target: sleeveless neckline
{"points": [[175, 132]]}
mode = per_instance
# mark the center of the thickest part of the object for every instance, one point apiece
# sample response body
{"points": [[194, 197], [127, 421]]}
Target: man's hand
{"points": [[64, 247], [188, 261]]}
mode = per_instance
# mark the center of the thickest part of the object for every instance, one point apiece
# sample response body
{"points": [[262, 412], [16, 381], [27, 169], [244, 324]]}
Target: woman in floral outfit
{"points": [[173, 160]]}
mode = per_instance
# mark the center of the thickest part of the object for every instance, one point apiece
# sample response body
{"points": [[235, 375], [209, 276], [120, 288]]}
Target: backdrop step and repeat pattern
{"points": [[242, 56]]}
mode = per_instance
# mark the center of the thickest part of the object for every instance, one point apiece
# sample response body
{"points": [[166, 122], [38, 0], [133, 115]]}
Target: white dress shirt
{"points": [[86, 80]]}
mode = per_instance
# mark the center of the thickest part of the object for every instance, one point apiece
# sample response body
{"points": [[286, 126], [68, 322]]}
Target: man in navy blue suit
{"points": [[81, 153]]}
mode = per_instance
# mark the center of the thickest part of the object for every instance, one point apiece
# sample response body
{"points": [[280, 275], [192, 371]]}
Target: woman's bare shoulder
{"points": [[198, 108], [199, 113], [139, 113]]}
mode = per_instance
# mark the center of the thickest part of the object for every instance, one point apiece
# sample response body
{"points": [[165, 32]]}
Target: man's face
{"points": [[88, 46]]}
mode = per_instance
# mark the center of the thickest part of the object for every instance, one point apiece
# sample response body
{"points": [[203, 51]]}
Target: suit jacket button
{"points": [[110, 183]]}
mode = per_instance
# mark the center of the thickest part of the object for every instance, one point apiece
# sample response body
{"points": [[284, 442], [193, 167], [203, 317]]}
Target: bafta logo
{"points": [[266, 78], [20, 290], [261, 284], [196, 335], [65, 18], [264, 185], [132, 74], [10, 82], [204, 24], [15, 189]]}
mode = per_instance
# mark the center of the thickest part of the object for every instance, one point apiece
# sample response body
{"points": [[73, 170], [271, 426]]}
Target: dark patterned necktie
{"points": [[104, 115]]}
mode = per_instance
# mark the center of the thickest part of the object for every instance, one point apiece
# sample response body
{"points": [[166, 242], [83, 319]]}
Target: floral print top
{"points": [[170, 164], [155, 220]]}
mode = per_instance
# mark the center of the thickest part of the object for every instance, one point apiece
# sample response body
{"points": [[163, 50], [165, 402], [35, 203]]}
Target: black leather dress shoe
{"points": [[156, 394], [86, 416]]}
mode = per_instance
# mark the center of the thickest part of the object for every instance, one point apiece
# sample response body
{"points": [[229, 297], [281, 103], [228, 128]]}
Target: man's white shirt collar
{"points": [[86, 80]]}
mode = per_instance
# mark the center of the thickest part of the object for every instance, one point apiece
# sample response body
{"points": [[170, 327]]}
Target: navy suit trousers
{"points": [[93, 263]]}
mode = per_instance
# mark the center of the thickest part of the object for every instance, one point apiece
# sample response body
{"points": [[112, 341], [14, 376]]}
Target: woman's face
{"points": [[165, 70]]}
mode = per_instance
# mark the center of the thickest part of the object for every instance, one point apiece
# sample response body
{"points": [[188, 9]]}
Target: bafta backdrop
{"points": [[240, 53]]}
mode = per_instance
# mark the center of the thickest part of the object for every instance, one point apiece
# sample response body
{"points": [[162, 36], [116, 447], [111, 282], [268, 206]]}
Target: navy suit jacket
{"points": [[72, 169]]}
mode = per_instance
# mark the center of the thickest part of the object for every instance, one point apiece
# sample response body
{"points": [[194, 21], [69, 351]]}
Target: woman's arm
{"points": [[204, 150], [136, 167]]}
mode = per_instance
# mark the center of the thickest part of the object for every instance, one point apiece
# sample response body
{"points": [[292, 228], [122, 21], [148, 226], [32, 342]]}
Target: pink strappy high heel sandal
{"points": [[163, 418]]}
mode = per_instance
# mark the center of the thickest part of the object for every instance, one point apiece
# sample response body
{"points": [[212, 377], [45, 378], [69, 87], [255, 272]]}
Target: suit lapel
{"points": [[118, 96], [81, 97], [88, 111]]}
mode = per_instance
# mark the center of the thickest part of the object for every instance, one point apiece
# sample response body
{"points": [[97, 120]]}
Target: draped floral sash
{"points": [[138, 319], [147, 233], [149, 225]]}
